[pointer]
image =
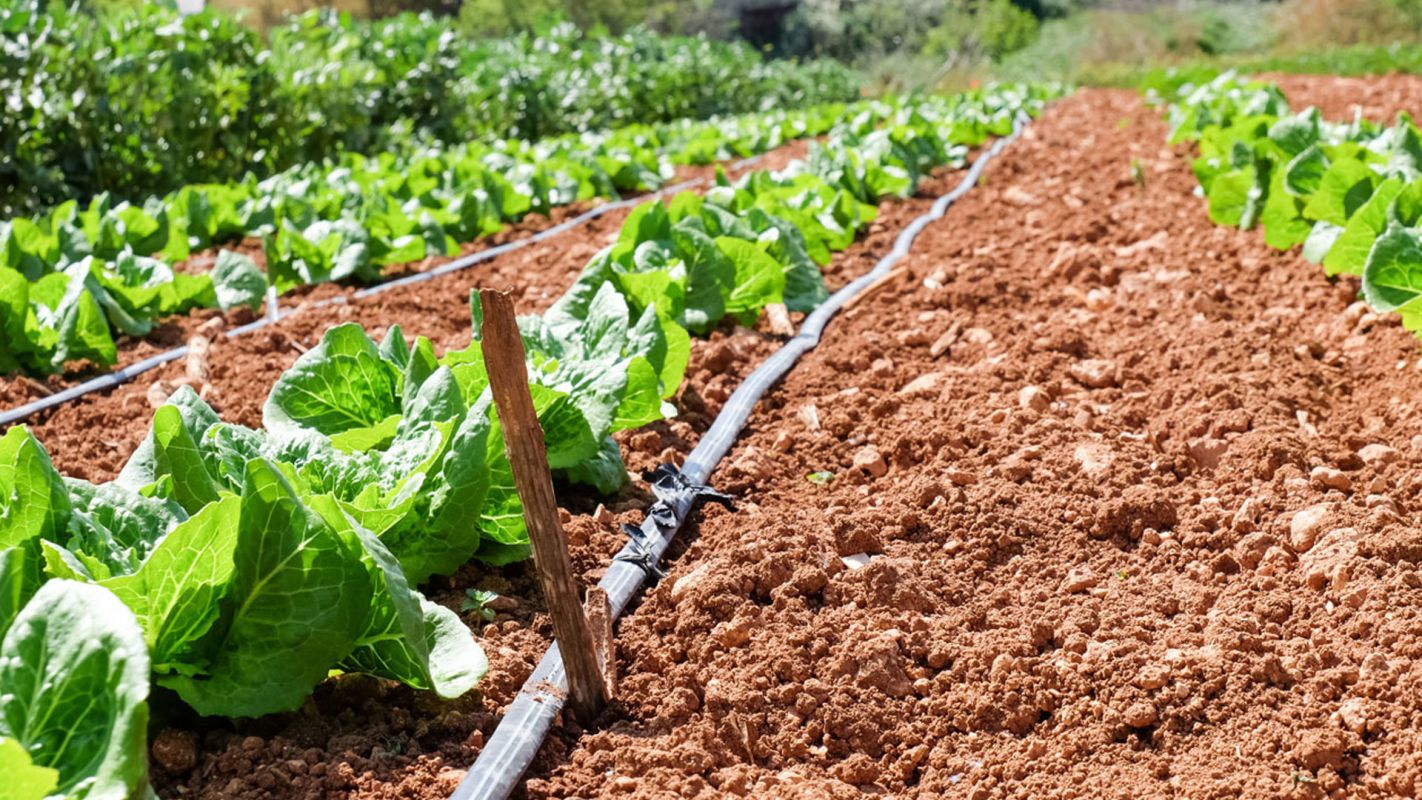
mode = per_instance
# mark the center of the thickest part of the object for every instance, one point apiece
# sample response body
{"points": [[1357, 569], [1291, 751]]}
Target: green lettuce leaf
{"points": [[298, 599], [75, 673]]}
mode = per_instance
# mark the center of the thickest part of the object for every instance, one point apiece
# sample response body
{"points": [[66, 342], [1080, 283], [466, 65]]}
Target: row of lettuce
{"points": [[138, 99], [1348, 193], [238, 567], [76, 277]]}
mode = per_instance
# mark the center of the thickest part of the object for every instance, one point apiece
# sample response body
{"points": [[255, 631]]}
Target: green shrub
{"points": [[139, 100]]}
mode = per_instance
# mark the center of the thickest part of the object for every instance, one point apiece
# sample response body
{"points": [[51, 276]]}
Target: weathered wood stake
{"points": [[523, 440]]}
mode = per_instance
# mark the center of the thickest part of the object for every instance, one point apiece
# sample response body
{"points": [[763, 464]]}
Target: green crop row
{"points": [[1349, 193], [239, 567], [74, 278], [136, 99]]}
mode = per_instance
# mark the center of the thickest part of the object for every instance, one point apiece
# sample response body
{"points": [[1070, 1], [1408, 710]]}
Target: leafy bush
{"points": [[139, 100]]}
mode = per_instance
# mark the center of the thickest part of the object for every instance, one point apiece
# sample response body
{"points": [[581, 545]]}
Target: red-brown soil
{"points": [[1142, 529], [1377, 98]]}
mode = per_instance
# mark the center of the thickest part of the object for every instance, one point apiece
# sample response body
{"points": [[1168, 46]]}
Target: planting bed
{"points": [[242, 369], [363, 737], [1141, 529]]}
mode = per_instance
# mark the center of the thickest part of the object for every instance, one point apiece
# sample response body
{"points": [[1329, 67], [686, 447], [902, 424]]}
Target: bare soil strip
{"points": [[1377, 98], [1121, 507]]}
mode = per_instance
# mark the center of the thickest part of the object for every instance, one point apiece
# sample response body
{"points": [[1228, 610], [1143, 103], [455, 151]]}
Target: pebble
{"points": [[1140, 715], [913, 337], [856, 560], [1377, 455], [735, 633], [924, 383], [1154, 676], [1244, 520], [688, 582], [810, 416], [1306, 525], [1098, 300], [1353, 715], [1079, 579], [1330, 478], [942, 343], [960, 477], [602, 516], [1330, 561], [1096, 373], [1093, 458], [175, 750], [869, 460], [1208, 453], [979, 336], [1033, 397]]}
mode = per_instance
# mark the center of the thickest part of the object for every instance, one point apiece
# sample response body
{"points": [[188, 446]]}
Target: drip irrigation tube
{"points": [[122, 375], [530, 716]]}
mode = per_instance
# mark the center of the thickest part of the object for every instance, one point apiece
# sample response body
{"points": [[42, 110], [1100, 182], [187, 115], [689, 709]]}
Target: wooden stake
{"points": [[523, 441], [599, 612]]}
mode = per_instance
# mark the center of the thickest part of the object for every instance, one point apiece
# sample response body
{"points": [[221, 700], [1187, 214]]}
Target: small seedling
{"points": [[477, 601], [820, 478], [1138, 172]]}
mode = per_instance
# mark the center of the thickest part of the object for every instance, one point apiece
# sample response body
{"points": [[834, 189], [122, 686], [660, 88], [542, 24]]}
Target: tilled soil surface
{"points": [[1377, 98], [92, 437], [359, 737], [1121, 507]]}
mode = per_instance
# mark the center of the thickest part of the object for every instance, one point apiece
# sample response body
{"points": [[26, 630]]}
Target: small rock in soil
{"points": [[1306, 525], [810, 416], [869, 460], [1139, 715], [960, 477], [923, 384], [1353, 715], [856, 560], [602, 516], [947, 340], [1329, 562], [1096, 373], [1207, 453], [175, 750], [1033, 397], [1378, 455], [1154, 676], [1079, 579], [1094, 459], [687, 583], [1330, 478]]}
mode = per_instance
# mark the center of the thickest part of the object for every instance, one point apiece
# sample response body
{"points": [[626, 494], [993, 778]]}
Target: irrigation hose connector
{"points": [[530, 716]]}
